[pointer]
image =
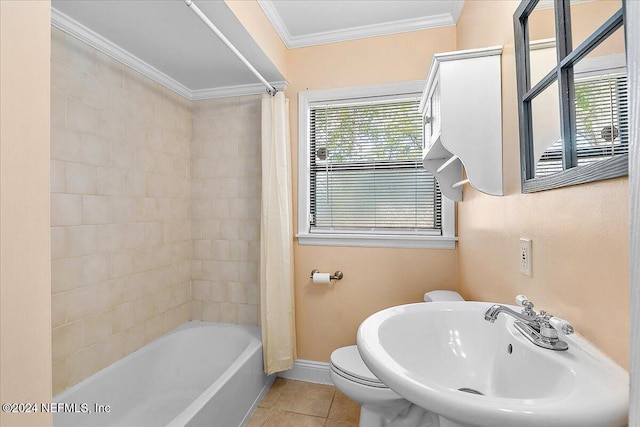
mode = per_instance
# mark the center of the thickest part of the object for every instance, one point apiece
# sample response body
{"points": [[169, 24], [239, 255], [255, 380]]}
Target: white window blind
{"points": [[366, 171]]}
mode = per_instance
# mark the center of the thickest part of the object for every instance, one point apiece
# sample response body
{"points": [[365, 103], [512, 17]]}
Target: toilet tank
{"points": [[433, 296]]}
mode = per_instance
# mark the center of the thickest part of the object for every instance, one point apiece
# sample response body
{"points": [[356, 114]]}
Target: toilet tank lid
{"points": [[442, 296]]}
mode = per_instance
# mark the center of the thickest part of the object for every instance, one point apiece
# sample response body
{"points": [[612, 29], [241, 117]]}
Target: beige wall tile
{"points": [[121, 155], [96, 92], [81, 178], [81, 55], [123, 209], [96, 268], [96, 209], [110, 350], [133, 338], [82, 240], [58, 243], [122, 263], [58, 310], [58, 111], [81, 117], [123, 317], [58, 176], [59, 376], [58, 44], [66, 209], [133, 235], [66, 274], [110, 70], [81, 302], [162, 300], [66, 80], [110, 237], [111, 125], [143, 309], [82, 364], [66, 340], [96, 328], [95, 150], [110, 181], [65, 144], [248, 314]]}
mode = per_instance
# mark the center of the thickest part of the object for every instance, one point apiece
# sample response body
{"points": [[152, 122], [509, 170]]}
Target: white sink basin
{"points": [[427, 352]]}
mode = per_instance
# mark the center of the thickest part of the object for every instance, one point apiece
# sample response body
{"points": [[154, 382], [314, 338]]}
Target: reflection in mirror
{"points": [[541, 28], [542, 59], [587, 16], [601, 102], [547, 143]]}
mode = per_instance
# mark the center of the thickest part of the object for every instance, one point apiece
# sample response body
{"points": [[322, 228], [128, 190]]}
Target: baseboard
{"points": [[309, 371]]}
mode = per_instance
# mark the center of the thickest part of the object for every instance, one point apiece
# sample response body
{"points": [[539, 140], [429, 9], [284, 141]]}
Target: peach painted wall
{"points": [[328, 317], [25, 266], [250, 14], [579, 233]]}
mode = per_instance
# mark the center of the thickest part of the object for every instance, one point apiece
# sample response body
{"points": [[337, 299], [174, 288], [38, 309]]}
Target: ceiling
{"points": [[310, 22], [166, 41]]}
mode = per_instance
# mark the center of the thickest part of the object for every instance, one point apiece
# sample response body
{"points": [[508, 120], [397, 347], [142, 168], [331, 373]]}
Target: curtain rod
{"points": [[270, 88]]}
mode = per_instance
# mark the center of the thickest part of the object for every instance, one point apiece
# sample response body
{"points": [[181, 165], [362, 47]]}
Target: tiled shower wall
{"points": [[120, 210], [225, 209]]}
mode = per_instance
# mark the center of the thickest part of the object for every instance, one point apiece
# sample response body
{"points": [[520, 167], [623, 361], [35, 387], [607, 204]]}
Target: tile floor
{"points": [[292, 403]]}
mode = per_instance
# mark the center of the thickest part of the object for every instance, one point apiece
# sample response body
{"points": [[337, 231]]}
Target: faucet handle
{"points": [[524, 301], [561, 325]]}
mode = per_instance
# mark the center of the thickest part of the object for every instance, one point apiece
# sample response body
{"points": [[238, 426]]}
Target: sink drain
{"points": [[470, 390]]}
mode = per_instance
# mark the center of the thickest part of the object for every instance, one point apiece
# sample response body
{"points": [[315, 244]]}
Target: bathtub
{"points": [[200, 374]]}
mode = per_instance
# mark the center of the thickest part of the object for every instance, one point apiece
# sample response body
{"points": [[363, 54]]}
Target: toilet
{"points": [[379, 405]]}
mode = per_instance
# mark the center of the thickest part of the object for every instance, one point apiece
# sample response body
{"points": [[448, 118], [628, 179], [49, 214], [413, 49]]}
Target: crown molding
{"points": [[374, 30], [95, 40]]}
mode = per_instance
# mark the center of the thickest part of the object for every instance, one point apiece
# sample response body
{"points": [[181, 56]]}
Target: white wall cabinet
{"points": [[462, 115]]}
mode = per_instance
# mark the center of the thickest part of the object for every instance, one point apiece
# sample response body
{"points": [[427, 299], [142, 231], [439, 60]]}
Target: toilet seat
{"points": [[347, 363]]}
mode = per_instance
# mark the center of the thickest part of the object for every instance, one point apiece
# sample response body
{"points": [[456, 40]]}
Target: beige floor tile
{"points": [[344, 409], [279, 418], [258, 417], [273, 394], [306, 398]]}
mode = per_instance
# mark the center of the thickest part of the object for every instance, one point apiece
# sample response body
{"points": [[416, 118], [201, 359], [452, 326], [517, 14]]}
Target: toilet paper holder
{"points": [[335, 276]]}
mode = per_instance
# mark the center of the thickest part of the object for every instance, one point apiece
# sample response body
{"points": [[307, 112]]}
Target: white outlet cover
{"points": [[525, 257]]}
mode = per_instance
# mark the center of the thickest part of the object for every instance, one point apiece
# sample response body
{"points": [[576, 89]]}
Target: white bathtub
{"points": [[200, 374]]}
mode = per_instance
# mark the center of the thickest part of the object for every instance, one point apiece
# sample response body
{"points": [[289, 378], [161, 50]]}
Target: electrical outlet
{"points": [[525, 257]]}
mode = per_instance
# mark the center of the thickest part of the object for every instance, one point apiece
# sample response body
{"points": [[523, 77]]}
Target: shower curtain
{"points": [[276, 239]]}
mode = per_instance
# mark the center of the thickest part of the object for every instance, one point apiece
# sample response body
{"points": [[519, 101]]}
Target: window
{"points": [[573, 127], [361, 177]]}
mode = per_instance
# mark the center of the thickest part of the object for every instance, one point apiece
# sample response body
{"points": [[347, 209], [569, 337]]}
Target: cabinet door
{"points": [[432, 119]]}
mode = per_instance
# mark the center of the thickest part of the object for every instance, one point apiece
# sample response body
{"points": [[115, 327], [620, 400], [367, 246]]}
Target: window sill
{"points": [[377, 241]]}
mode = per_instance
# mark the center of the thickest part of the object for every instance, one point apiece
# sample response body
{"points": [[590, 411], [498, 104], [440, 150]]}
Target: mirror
{"points": [[572, 92], [587, 16]]}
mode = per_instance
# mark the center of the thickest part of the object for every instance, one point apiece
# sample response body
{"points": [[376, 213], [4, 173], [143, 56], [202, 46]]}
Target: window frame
{"points": [[568, 56], [360, 239]]}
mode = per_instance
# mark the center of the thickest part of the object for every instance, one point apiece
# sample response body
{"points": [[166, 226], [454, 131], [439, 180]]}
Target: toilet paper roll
{"points": [[321, 278]]}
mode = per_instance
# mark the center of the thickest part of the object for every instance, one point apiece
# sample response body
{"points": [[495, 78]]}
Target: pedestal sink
{"points": [[447, 359]]}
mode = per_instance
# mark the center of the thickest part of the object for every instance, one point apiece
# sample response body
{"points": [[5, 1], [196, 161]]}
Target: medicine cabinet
{"points": [[462, 117]]}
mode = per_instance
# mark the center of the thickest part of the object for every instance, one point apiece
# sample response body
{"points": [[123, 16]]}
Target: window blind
{"points": [[602, 128], [366, 169]]}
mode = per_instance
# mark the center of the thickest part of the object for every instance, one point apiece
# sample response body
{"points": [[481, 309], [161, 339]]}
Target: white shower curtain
{"points": [[276, 240]]}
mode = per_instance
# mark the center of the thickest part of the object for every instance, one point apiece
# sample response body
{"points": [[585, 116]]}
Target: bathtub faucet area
{"points": [[539, 328]]}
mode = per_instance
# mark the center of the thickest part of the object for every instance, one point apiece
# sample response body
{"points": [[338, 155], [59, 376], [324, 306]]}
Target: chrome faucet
{"points": [[539, 328]]}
